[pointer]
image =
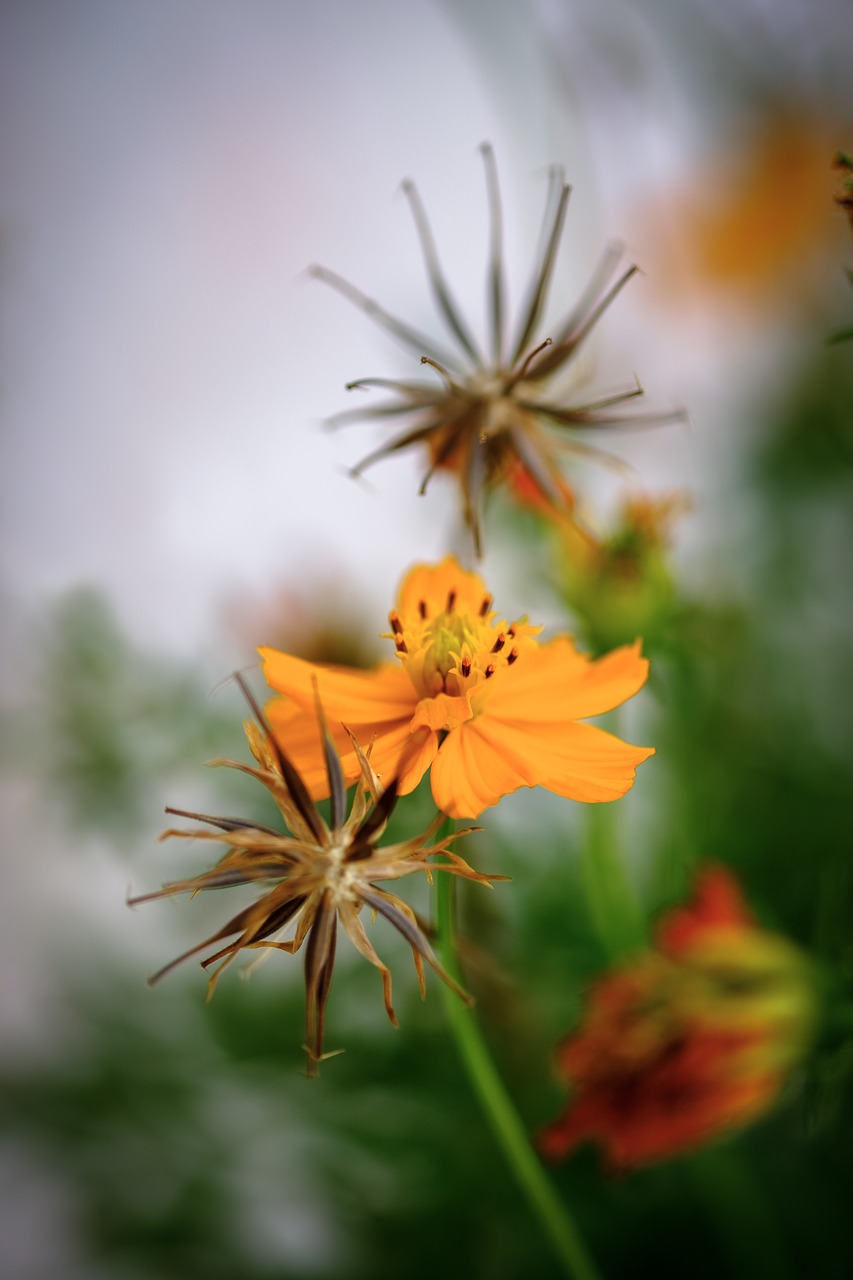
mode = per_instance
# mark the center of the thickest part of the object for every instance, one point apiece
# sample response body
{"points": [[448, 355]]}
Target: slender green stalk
{"points": [[609, 893], [498, 1107]]}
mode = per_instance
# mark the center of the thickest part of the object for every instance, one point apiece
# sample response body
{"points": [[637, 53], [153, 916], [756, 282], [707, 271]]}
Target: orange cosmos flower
{"points": [[695, 1037], [478, 700]]}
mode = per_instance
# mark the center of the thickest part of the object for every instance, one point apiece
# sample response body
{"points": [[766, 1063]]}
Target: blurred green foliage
{"points": [[114, 720]]}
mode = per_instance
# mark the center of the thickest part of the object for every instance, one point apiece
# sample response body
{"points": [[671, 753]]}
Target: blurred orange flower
{"points": [[693, 1038], [479, 701]]}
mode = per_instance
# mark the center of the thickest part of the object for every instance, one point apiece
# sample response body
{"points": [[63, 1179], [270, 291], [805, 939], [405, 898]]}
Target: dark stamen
{"points": [[485, 606], [499, 643], [451, 601], [512, 656], [396, 624], [490, 670], [511, 632], [466, 667], [422, 609], [401, 644]]}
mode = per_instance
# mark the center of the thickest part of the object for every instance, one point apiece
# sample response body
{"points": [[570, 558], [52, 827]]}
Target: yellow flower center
{"points": [[454, 651]]}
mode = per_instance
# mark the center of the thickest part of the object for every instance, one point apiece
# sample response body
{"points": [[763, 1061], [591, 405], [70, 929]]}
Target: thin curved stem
{"points": [[498, 1107]]}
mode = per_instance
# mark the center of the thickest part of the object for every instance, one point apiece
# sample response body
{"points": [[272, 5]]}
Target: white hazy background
{"points": [[169, 171]]}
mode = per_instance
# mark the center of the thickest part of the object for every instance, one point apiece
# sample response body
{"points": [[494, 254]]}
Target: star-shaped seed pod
{"points": [[510, 412], [317, 875]]}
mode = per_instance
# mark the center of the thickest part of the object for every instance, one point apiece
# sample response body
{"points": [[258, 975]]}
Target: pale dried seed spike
{"points": [[224, 824], [354, 930], [598, 281], [496, 267], [617, 397], [334, 772], [370, 413], [568, 343], [362, 384], [414, 936], [441, 293], [368, 775], [393, 446], [542, 278], [456, 429], [443, 454], [443, 373], [397, 329], [419, 970], [473, 484], [537, 467], [374, 823], [588, 420], [298, 791], [319, 962], [606, 459], [235, 925], [522, 371]]}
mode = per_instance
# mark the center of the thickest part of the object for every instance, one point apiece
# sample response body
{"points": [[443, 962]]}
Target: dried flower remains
{"points": [[316, 878], [490, 413]]}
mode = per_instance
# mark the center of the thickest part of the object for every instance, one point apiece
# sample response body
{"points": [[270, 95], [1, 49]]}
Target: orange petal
{"points": [[443, 711], [397, 751], [484, 760], [349, 695], [595, 765], [555, 683], [433, 583], [471, 772]]}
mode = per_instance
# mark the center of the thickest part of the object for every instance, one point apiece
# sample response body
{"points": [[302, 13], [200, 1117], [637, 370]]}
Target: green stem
{"points": [[498, 1107], [609, 893]]}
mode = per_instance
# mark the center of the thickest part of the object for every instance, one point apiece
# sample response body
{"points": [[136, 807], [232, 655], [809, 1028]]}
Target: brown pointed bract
{"points": [[315, 876]]}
